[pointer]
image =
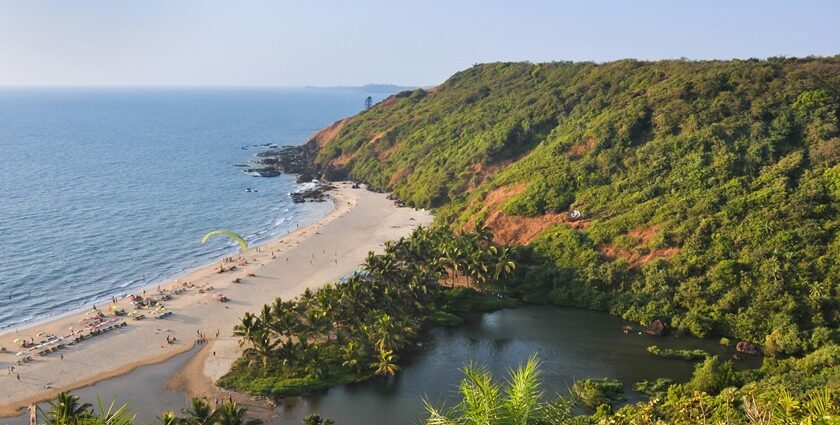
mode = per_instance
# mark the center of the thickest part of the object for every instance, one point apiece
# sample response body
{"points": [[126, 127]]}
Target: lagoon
{"points": [[571, 344]]}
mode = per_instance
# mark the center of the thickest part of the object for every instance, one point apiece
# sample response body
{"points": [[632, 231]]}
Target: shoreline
{"points": [[359, 222], [152, 285]]}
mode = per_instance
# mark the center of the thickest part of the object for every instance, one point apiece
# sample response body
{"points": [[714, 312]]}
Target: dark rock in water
{"points": [[292, 160], [656, 328], [747, 348], [316, 194], [240, 165], [264, 172], [298, 160]]}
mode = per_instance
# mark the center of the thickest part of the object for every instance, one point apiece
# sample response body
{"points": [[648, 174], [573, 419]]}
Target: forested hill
{"points": [[708, 190]]}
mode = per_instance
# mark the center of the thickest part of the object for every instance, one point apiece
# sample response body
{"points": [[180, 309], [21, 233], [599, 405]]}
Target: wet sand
{"points": [[308, 258]]}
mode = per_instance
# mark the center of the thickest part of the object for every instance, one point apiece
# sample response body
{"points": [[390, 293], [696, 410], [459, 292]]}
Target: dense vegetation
{"points": [[702, 194], [67, 409], [708, 190], [354, 330], [711, 397]]}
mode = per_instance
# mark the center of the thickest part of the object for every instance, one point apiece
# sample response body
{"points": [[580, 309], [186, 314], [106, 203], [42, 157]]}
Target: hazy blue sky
{"points": [[295, 43]]}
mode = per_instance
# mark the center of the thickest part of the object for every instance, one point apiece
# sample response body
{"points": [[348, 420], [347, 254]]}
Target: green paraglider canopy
{"points": [[228, 233]]}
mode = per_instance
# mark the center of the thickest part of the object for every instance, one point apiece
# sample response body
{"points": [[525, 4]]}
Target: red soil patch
{"points": [[514, 230], [432, 90], [576, 151], [517, 230], [399, 175], [643, 236], [388, 102], [387, 152], [328, 134], [343, 159], [482, 172]]}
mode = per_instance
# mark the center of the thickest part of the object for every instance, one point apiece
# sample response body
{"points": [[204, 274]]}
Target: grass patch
{"points": [[669, 353], [444, 319], [595, 392]]}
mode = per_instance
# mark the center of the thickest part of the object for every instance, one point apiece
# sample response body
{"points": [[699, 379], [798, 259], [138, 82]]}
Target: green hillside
{"points": [[708, 190]]}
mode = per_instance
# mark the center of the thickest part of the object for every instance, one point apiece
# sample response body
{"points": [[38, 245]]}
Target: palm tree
{"points": [[477, 267], [387, 334], [485, 402], [503, 265], [352, 355], [230, 414], [168, 418], [483, 233], [111, 415], [452, 260], [65, 410], [318, 323], [255, 331], [386, 363], [246, 329], [199, 413]]}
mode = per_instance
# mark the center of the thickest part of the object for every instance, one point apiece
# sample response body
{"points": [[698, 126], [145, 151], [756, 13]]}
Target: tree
{"points": [[230, 414], [199, 412], [65, 410], [386, 363], [503, 265], [316, 419], [713, 375], [352, 355], [168, 418], [518, 403]]}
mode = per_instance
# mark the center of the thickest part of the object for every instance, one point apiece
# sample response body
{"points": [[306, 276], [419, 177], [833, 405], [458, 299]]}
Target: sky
{"points": [[412, 43]]}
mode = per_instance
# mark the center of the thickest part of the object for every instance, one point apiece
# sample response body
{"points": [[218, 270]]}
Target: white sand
{"points": [[308, 258]]}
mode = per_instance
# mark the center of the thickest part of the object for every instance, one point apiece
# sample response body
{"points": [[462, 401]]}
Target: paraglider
{"points": [[242, 244]]}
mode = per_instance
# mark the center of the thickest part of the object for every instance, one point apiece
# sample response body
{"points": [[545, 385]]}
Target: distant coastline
{"points": [[367, 88]]}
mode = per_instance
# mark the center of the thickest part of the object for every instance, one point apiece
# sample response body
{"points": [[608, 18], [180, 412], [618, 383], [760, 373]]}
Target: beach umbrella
{"points": [[242, 244]]}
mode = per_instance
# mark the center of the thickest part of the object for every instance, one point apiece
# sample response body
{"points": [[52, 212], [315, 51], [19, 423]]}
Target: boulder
{"points": [[746, 348], [656, 328]]}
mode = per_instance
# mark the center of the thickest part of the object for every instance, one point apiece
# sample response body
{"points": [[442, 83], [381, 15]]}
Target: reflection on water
{"points": [[572, 344]]}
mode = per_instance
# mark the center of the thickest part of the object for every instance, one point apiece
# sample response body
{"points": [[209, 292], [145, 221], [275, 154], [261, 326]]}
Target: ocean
{"points": [[106, 190]]}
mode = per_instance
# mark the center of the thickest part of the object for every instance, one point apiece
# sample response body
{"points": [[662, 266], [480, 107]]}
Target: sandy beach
{"points": [[307, 258]]}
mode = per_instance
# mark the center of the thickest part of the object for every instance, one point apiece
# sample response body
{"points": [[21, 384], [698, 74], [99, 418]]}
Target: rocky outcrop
{"points": [[315, 194]]}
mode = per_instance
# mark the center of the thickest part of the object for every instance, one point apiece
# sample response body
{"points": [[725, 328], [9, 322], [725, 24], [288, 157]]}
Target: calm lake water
{"points": [[571, 344], [105, 190]]}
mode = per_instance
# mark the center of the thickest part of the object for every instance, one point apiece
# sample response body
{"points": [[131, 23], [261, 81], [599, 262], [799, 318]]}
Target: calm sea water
{"points": [[106, 190]]}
